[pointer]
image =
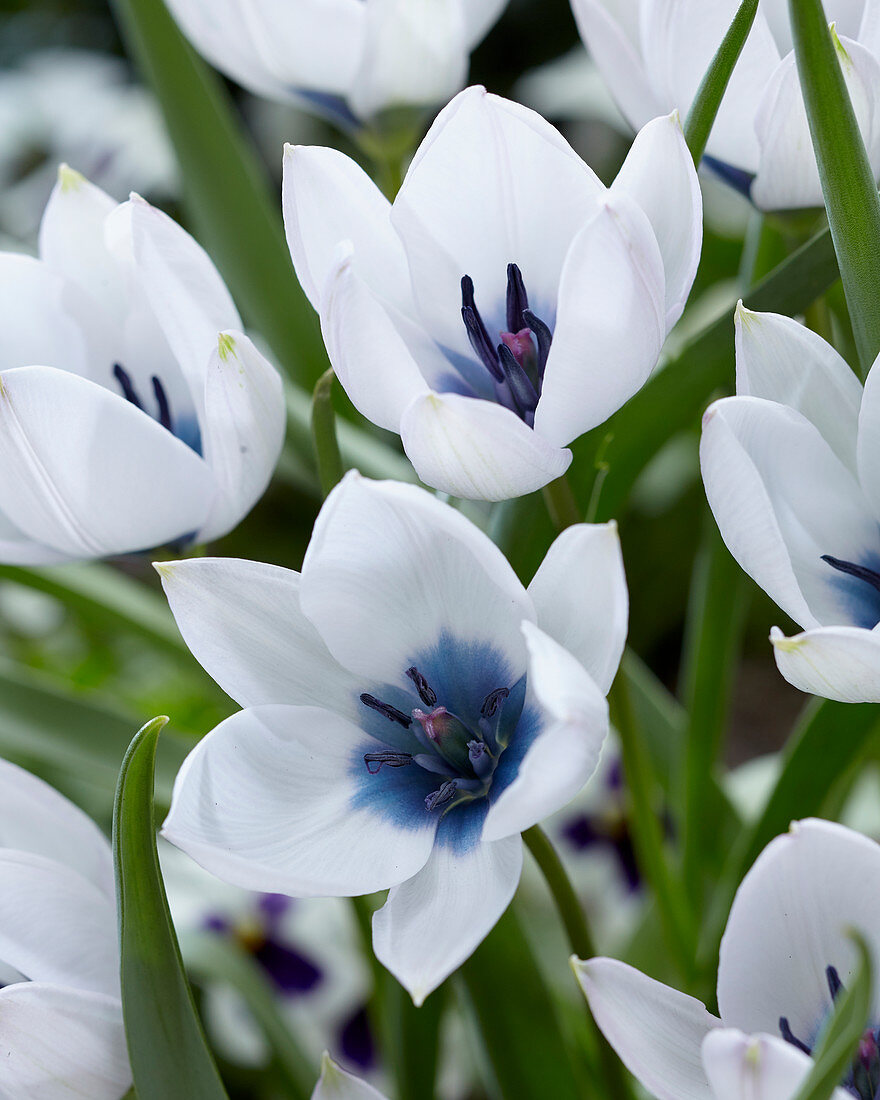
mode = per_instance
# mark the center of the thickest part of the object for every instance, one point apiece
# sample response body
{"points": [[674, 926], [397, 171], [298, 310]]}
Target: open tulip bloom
{"points": [[653, 55], [344, 58], [507, 301], [133, 411], [784, 958], [61, 1032], [791, 467], [411, 708]]}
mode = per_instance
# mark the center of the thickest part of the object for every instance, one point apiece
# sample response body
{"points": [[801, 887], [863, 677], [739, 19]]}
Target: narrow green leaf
{"points": [[839, 1039], [226, 188], [848, 183], [330, 468], [169, 1056], [704, 108]]}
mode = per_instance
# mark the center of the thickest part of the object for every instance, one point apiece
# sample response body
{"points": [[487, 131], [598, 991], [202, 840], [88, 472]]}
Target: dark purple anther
{"points": [[476, 330], [493, 702], [215, 923], [273, 906], [786, 1033], [291, 972], [386, 710], [860, 572], [544, 338], [356, 1040], [517, 299], [834, 983], [426, 692], [436, 800], [162, 401], [518, 382], [126, 385], [375, 760]]}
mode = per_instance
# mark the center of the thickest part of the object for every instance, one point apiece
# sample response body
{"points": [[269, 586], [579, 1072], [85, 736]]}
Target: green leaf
{"points": [[848, 183], [704, 108], [226, 188], [169, 1056], [330, 468], [839, 1038]]}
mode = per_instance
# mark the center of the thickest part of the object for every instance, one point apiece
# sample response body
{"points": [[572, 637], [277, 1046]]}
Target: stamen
{"points": [[544, 337], [386, 709], [493, 701], [860, 572], [375, 760], [162, 402], [522, 389], [426, 692], [126, 385], [441, 797], [517, 299], [481, 759], [835, 985], [476, 330], [786, 1033]]}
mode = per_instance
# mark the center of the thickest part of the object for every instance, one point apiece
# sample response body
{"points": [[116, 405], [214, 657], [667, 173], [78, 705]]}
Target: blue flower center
{"points": [[869, 606], [516, 359], [863, 1078], [185, 428]]}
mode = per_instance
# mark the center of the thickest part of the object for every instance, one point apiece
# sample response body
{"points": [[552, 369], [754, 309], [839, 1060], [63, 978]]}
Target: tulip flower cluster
{"points": [[434, 746]]}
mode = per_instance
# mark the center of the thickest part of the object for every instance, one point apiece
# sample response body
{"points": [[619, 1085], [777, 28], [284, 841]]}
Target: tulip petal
{"points": [[433, 922], [476, 449], [611, 323], [781, 360], [755, 1067], [243, 623], [580, 595], [659, 175], [336, 1084], [87, 473], [557, 744], [278, 799], [245, 420], [656, 1031], [17, 549], [835, 662], [391, 572], [789, 923], [868, 446], [782, 499], [59, 1044]]}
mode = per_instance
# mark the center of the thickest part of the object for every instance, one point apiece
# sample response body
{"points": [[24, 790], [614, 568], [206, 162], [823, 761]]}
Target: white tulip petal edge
{"points": [[506, 301], [411, 709], [134, 413], [336, 1084], [785, 955], [790, 467]]}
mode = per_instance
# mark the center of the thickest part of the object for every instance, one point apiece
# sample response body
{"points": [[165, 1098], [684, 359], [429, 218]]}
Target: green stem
{"points": [[330, 467], [561, 503]]}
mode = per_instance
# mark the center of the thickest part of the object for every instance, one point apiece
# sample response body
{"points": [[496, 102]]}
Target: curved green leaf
{"points": [[170, 1059]]}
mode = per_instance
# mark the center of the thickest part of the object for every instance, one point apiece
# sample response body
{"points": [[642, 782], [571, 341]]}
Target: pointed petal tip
{"points": [[69, 179]]}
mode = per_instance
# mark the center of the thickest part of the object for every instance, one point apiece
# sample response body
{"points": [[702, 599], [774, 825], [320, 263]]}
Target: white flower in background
{"points": [[61, 1032], [348, 58], [336, 1084], [411, 709], [308, 950], [133, 412], [77, 106], [784, 957], [791, 467], [507, 301], [654, 54]]}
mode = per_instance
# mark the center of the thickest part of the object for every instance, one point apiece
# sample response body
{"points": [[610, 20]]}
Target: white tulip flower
{"points": [[411, 709], [507, 301], [336, 1084], [791, 467], [346, 58], [654, 54], [61, 1031], [785, 955], [133, 411]]}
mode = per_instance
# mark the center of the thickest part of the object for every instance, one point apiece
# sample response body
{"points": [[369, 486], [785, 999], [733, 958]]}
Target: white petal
{"points": [[36, 818], [327, 198], [781, 360], [243, 623], [245, 419], [656, 1031], [659, 175], [491, 184], [835, 662], [787, 174], [476, 449], [433, 922], [278, 799], [368, 353], [569, 718], [611, 323], [55, 925], [87, 473], [580, 595], [789, 922], [56, 1044], [336, 1084], [17, 549], [868, 447], [390, 571], [782, 499], [755, 1067], [618, 58]]}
